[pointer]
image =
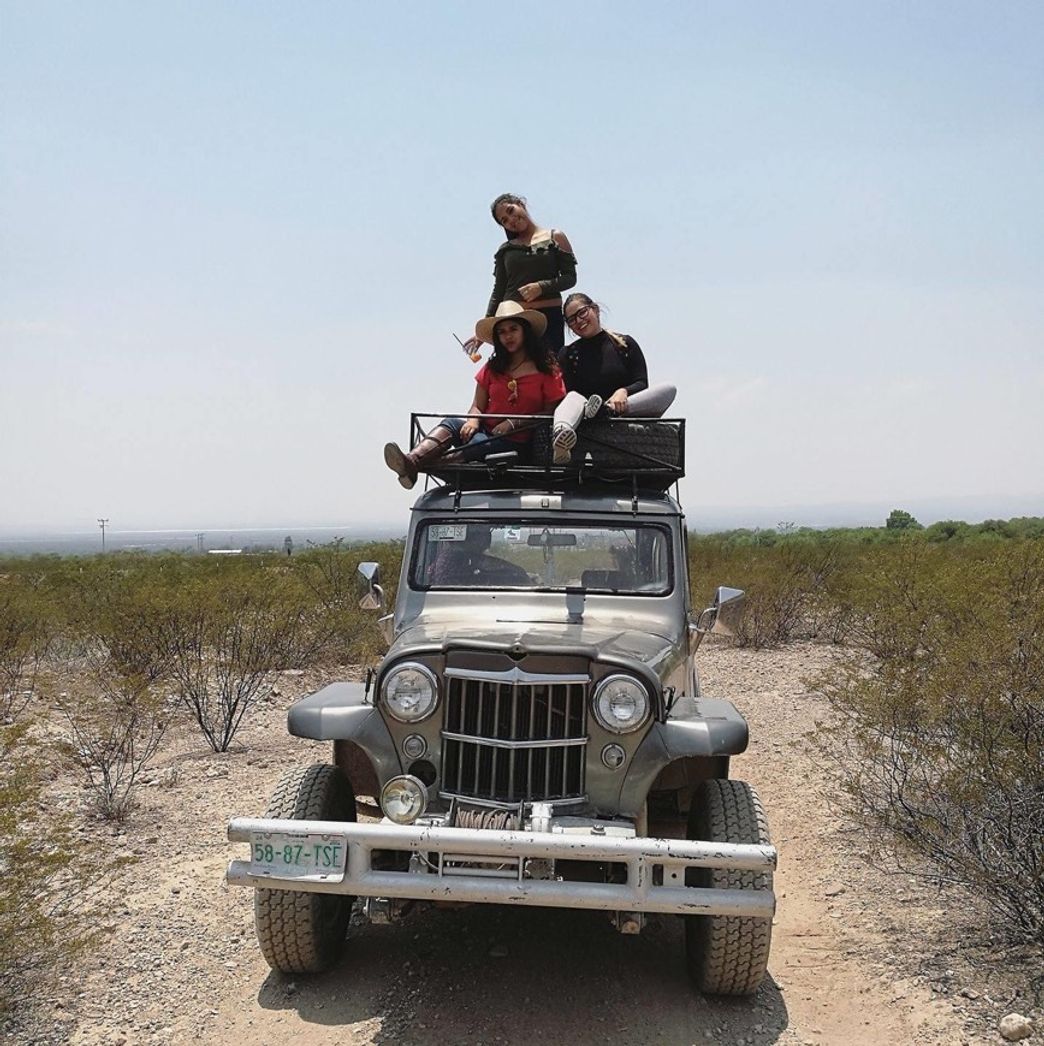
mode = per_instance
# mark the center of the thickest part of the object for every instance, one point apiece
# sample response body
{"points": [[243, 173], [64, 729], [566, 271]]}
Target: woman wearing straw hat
{"points": [[605, 373], [532, 267], [520, 377]]}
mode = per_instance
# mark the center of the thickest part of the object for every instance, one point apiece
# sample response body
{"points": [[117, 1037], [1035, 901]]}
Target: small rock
{"points": [[498, 951], [834, 890], [1014, 1027], [969, 993], [291, 988]]}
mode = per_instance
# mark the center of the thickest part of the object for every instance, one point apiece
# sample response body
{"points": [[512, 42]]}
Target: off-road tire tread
{"points": [[728, 955], [304, 932]]}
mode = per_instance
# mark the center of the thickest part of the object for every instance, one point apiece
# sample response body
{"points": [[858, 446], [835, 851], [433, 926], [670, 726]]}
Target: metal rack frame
{"points": [[501, 467]]}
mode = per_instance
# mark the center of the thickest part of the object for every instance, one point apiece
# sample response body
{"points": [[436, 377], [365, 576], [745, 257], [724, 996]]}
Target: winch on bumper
{"points": [[500, 867]]}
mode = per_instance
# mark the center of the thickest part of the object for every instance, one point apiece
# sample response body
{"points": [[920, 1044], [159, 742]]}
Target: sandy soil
{"points": [[858, 956]]}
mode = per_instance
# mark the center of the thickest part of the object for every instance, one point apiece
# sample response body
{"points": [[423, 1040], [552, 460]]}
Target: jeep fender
{"points": [[703, 730], [340, 713]]}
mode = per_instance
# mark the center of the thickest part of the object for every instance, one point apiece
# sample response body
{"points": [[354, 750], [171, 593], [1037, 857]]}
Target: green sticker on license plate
{"points": [[297, 855]]}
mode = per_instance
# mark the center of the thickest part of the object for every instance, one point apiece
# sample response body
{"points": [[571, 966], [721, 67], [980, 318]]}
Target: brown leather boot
{"points": [[406, 466]]}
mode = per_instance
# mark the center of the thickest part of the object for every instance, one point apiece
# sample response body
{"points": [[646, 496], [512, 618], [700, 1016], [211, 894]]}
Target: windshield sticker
{"points": [[448, 532]]}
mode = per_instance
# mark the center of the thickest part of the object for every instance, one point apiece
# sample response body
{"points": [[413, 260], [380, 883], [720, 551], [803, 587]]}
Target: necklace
{"points": [[512, 385]]}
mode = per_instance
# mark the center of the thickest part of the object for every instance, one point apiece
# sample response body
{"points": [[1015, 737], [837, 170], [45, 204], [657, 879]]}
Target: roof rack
{"points": [[645, 453]]}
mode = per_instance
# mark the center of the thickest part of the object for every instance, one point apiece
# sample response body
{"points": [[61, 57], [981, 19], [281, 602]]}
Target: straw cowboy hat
{"points": [[510, 310]]}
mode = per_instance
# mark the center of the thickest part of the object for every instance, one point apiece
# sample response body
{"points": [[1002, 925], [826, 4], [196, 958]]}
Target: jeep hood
{"points": [[523, 637]]}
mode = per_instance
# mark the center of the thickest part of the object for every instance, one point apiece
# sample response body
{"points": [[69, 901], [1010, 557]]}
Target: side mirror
{"points": [[728, 611], [722, 617], [373, 597]]}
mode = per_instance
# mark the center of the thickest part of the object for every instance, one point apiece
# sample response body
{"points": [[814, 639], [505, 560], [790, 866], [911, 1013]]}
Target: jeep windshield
{"points": [[633, 559]]}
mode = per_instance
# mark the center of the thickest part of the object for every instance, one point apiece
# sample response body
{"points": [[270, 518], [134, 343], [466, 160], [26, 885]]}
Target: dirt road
{"points": [[858, 957]]}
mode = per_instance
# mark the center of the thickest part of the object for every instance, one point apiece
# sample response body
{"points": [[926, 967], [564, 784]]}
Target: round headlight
{"points": [[404, 799], [621, 704], [409, 693]]}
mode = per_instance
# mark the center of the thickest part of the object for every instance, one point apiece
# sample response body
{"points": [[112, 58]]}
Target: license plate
{"points": [[297, 855]]}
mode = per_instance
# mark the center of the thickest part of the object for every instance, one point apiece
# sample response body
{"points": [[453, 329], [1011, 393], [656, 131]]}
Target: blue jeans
{"points": [[481, 444]]}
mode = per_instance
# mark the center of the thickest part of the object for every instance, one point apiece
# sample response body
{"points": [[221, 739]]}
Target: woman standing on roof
{"points": [[532, 267], [605, 372], [521, 377]]}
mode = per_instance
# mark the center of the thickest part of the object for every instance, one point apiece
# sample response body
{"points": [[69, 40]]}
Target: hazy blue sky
{"points": [[236, 237]]}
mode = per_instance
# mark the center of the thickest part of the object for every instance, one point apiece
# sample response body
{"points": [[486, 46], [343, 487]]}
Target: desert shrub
{"points": [[108, 686], [786, 583], [946, 530], [25, 631], [48, 887], [940, 735], [226, 641], [116, 726], [330, 572]]}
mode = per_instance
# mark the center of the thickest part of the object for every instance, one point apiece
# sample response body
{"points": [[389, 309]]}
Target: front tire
{"points": [[727, 954], [304, 932]]}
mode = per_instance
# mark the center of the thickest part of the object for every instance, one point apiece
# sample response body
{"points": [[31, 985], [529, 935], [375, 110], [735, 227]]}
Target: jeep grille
{"points": [[514, 735]]}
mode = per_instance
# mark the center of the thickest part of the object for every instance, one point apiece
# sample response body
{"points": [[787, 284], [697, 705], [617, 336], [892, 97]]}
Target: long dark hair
{"points": [[508, 197], [534, 347]]}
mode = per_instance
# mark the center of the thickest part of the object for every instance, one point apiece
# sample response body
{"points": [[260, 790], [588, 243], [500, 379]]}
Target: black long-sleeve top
{"points": [[516, 264], [599, 365]]}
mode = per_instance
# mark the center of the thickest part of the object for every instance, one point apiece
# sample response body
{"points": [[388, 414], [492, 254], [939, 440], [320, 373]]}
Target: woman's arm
{"points": [[566, 277], [499, 283], [478, 405], [637, 370]]}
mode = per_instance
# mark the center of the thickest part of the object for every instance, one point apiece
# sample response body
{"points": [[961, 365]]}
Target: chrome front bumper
{"points": [[495, 867]]}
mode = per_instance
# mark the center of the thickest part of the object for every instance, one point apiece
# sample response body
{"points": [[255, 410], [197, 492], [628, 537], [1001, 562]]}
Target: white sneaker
{"points": [[563, 442], [594, 405]]}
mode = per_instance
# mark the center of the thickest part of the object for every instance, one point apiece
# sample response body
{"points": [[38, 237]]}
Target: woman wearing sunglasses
{"points": [[520, 377], [532, 267], [605, 373]]}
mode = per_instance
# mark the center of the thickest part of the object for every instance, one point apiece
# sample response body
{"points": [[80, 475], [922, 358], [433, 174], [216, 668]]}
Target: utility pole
{"points": [[102, 523], [199, 542]]}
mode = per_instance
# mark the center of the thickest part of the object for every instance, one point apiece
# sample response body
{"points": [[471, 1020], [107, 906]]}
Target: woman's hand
{"points": [[468, 429], [472, 344], [504, 428], [617, 402], [530, 291]]}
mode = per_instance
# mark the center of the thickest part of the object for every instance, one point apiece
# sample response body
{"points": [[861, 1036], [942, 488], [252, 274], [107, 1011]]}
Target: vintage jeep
{"points": [[535, 734]]}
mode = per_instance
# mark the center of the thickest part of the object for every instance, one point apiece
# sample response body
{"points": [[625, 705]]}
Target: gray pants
{"points": [[652, 402]]}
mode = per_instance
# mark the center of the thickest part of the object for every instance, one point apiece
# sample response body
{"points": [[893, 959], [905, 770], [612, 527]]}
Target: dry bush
{"points": [[226, 641], [108, 689], [330, 572], [49, 886], [940, 738], [24, 638], [786, 584], [117, 725]]}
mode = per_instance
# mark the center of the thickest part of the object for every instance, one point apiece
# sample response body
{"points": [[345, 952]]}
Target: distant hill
{"points": [[67, 543]]}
